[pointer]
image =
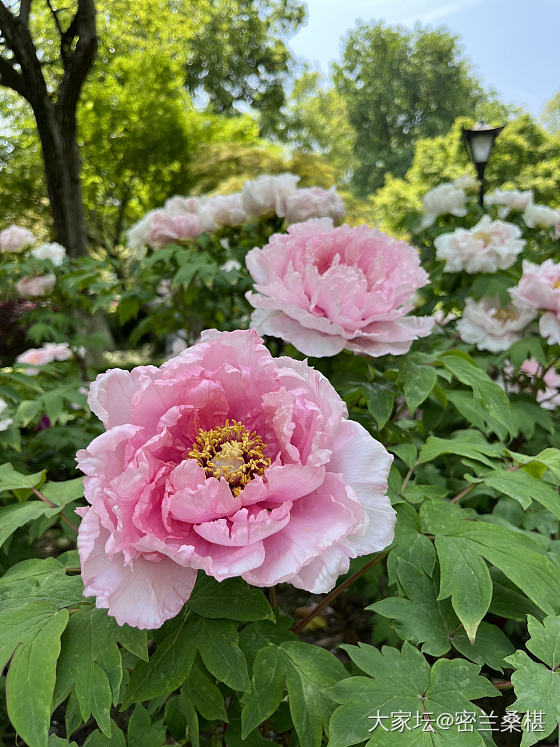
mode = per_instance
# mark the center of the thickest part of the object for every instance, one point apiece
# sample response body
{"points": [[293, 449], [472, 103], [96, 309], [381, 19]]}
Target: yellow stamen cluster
{"points": [[507, 314], [483, 236], [231, 452]]}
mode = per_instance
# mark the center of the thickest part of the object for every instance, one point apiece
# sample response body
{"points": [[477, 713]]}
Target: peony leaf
{"points": [[266, 689], [218, 643], [525, 488], [30, 680], [141, 732], [490, 647], [232, 599]]}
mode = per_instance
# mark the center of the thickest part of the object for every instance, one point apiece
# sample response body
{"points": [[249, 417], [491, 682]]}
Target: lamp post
{"points": [[479, 142]]}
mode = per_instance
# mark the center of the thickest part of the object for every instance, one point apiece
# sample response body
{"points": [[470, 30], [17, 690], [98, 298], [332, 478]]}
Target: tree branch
{"points": [[10, 78], [18, 38], [55, 17], [24, 9], [78, 62]]}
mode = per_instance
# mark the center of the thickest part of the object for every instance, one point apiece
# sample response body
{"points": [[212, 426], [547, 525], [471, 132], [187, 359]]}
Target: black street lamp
{"points": [[479, 142]]}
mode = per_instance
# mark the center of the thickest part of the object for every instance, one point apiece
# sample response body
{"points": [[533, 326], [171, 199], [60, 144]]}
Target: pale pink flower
{"points": [[178, 206], [40, 285], [53, 251], [313, 202], [229, 461], [267, 193], [444, 199], [15, 238], [325, 289], [50, 351], [226, 210], [541, 216], [165, 229], [509, 199], [539, 288], [5, 423], [487, 247], [549, 397], [492, 327]]}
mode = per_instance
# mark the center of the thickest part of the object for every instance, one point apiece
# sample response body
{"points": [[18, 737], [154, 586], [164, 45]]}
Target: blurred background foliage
{"points": [[189, 100]]}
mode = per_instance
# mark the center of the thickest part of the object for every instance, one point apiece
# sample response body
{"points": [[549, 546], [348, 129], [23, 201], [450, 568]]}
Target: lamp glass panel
{"points": [[481, 145]]}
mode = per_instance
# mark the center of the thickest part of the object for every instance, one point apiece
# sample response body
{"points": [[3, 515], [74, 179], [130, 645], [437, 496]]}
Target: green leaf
{"points": [[420, 617], [491, 397], [379, 400], [310, 670], [406, 452], [12, 480], [525, 488], [167, 669], [91, 660], [218, 643], [490, 647], [266, 689], [471, 445], [464, 577], [97, 739], [205, 696], [62, 493], [398, 681], [141, 731], [232, 599], [537, 685], [418, 383], [16, 515], [30, 681]]}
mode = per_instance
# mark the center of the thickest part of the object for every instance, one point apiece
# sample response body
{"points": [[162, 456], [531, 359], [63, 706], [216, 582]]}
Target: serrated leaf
{"points": [[466, 579], [30, 681], [232, 599]]}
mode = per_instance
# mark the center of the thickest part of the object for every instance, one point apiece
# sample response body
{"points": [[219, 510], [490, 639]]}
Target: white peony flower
{"points": [[541, 216], [509, 199], [314, 202], [488, 246], [15, 238], [467, 182], [6, 422], [55, 252], [267, 193], [445, 198], [491, 327]]}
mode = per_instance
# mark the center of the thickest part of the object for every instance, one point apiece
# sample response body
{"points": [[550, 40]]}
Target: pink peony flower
{"points": [[487, 247], [492, 327], [539, 288], [226, 210], [165, 229], [229, 461], [549, 397], [314, 202], [266, 194], [51, 351], [15, 238], [325, 289], [41, 285]]}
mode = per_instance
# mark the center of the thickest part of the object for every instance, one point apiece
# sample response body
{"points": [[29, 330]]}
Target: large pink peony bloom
{"points": [[325, 289], [230, 461], [539, 288]]}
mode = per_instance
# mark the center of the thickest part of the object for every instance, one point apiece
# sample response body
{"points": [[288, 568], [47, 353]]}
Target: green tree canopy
{"points": [[400, 86]]}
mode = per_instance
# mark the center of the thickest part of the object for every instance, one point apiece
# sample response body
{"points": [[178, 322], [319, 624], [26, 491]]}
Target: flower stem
{"points": [[52, 505], [336, 591]]}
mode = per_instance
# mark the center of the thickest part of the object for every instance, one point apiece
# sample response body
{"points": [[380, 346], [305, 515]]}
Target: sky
{"points": [[512, 45]]}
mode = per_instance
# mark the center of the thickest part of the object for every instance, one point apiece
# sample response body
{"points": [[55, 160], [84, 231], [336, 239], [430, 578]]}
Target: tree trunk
{"points": [[62, 171]]}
